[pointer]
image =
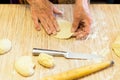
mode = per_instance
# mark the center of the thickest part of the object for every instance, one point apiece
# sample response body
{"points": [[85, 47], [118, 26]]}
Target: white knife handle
{"points": [[37, 51]]}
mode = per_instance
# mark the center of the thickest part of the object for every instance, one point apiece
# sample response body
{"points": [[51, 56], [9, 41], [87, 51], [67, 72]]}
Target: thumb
{"points": [[57, 11]]}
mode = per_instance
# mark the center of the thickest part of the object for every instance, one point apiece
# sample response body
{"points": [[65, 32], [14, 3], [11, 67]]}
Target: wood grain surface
{"points": [[16, 25]]}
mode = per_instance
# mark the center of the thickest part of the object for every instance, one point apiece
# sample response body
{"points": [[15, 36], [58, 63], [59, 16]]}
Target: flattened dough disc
{"points": [[65, 29]]}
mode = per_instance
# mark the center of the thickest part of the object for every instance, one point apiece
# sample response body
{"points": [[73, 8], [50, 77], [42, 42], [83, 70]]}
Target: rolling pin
{"points": [[79, 72]]}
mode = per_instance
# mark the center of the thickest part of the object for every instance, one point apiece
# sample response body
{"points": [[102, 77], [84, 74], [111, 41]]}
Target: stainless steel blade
{"points": [[82, 56]]}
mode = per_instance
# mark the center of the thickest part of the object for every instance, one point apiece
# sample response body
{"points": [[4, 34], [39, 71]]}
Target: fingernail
{"points": [[49, 32], [54, 32], [61, 12], [58, 29], [38, 28]]}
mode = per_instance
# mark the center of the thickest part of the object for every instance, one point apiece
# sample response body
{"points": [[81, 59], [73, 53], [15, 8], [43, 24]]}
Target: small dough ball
{"points": [[5, 46], [65, 29], [25, 66], [116, 46], [46, 60]]}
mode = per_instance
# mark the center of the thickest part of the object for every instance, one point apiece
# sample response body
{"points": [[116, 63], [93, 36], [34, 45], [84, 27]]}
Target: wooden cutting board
{"points": [[16, 24]]}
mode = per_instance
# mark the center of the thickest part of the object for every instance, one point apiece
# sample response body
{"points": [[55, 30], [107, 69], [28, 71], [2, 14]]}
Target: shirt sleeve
{"points": [[14, 1]]}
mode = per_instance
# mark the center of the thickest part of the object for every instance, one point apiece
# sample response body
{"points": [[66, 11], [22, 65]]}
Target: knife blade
{"points": [[69, 55]]}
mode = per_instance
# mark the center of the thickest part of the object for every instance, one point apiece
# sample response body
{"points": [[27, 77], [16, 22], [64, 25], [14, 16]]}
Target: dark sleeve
{"points": [[14, 1]]}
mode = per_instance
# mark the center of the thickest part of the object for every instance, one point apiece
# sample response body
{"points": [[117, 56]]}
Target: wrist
{"points": [[33, 1], [30, 1], [81, 2]]}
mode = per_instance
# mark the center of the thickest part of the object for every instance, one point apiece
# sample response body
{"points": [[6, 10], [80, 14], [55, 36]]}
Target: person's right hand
{"points": [[82, 19], [43, 11]]}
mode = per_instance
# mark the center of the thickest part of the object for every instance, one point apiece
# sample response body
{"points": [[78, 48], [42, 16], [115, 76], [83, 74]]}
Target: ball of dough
{"points": [[25, 66], [46, 60], [5, 46], [65, 29]]}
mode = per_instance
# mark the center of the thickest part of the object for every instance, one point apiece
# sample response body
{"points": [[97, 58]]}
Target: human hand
{"points": [[82, 19], [43, 11]]}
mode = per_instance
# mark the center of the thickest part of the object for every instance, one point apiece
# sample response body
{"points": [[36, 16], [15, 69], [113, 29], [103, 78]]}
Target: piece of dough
{"points": [[117, 51], [25, 66], [116, 43], [5, 46], [65, 29], [46, 60], [116, 46]]}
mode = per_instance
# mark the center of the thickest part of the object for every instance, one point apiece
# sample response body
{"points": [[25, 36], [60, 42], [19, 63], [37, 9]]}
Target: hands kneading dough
{"points": [[46, 60], [65, 29], [116, 46], [5, 46], [25, 66]]}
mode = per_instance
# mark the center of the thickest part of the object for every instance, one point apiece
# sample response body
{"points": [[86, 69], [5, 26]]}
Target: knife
{"points": [[69, 55]]}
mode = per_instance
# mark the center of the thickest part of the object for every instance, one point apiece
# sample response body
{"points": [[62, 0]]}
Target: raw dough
{"points": [[5, 46], [117, 51], [116, 46], [65, 29], [46, 60], [25, 66]]}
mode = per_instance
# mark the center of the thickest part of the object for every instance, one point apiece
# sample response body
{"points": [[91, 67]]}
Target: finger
{"points": [[53, 19], [75, 24], [45, 26], [35, 19], [57, 11], [50, 23], [87, 25], [80, 34], [77, 33], [79, 37]]}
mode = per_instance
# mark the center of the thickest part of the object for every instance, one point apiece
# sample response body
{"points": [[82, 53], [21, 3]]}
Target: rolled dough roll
{"points": [[65, 29], [5, 46], [116, 46], [25, 66], [46, 60]]}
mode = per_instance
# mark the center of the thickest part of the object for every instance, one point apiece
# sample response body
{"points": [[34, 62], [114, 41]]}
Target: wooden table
{"points": [[16, 24]]}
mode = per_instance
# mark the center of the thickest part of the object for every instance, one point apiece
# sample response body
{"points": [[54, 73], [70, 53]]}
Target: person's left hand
{"points": [[81, 21]]}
